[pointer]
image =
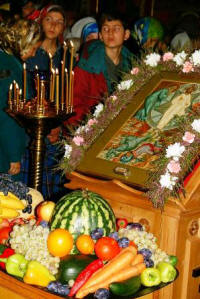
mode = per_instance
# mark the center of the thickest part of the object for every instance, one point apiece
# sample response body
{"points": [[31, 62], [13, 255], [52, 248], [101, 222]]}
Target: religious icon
{"points": [[137, 141]]}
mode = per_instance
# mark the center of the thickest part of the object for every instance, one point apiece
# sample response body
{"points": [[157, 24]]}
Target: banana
{"points": [[10, 194], [8, 213], [11, 202]]}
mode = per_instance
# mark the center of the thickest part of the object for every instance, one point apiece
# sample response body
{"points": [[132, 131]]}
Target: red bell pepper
{"points": [[85, 275], [6, 253], [4, 234]]}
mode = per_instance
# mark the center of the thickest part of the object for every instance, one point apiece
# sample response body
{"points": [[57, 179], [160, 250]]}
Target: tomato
{"points": [[4, 234], [59, 242], [106, 248]]}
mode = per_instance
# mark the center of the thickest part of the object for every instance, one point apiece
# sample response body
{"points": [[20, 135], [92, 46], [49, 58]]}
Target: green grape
{"points": [[30, 240]]}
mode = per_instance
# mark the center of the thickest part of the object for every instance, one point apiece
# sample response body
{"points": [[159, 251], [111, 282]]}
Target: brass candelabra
{"points": [[46, 111]]}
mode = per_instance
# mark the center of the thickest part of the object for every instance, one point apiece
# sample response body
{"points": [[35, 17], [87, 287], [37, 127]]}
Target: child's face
{"points": [[53, 25], [113, 34]]}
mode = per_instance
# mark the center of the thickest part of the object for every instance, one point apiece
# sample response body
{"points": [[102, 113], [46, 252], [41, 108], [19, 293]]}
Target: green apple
{"points": [[150, 277], [167, 271]]}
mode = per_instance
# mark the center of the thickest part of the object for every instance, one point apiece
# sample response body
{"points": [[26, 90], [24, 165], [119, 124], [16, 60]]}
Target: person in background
{"points": [[149, 33], [19, 40], [53, 24], [186, 32], [90, 31], [29, 10], [101, 65], [76, 29]]}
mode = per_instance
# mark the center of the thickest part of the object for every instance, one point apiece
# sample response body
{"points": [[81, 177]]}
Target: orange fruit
{"points": [[59, 242], [85, 244]]}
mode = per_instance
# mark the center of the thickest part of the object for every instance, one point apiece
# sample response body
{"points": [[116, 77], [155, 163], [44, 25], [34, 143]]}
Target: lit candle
{"points": [[72, 92], [24, 75], [10, 96], [63, 62], [37, 86], [53, 85], [67, 89], [20, 98], [62, 84], [42, 97], [15, 95], [50, 62], [70, 71], [50, 86], [57, 90]]}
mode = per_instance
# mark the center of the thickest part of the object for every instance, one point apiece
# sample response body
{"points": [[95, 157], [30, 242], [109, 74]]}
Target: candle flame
{"points": [[50, 56], [11, 86], [24, 65], [71, 43]]}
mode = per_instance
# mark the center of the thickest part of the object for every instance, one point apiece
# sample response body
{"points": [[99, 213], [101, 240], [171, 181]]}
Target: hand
{"points": [[14, 168], [54, 135]]}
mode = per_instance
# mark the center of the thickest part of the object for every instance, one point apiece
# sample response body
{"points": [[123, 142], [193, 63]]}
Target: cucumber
{"points": [[72, 265], [126, 287]]}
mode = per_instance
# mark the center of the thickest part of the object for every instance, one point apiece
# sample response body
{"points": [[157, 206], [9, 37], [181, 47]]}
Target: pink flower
{"points": [[168, 56], [92, 121], [174, 166], [135, 71], [113, 98], [78, 140], [187, 67], [188, 137]]}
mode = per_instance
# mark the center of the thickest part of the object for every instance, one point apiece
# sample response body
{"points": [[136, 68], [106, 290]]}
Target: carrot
{"points": [[122, 275], [120, 261], [138, 259]]}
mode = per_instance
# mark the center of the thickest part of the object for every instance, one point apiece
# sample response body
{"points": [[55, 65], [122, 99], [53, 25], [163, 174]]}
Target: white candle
{"points": [[24, 75]]}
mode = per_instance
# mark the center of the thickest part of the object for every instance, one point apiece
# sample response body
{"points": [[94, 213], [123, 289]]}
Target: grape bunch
{"points": [[17, 188], [58, 288], [146, 243], [30, 240]]}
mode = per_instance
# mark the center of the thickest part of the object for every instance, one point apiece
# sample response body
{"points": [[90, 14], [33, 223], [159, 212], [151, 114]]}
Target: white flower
{"points": [[68, 150], [80, 130], [98, 110], [180, 58], [168, 181], [175, 150], [125, 85], [152, 59], [196, 125], [195, 58]]}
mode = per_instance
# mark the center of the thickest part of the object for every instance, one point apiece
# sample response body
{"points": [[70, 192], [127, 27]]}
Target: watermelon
{"points": [[82, 211]]}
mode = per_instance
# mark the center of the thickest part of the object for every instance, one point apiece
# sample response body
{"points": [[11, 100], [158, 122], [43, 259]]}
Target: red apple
{"points": [[44, 210]]}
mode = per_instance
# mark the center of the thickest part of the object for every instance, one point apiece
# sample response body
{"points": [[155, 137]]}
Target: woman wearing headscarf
{"points": [[18, 41]]}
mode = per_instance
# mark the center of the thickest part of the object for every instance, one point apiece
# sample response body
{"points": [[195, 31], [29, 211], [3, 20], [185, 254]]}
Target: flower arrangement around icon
{"points": [[179, 156]]}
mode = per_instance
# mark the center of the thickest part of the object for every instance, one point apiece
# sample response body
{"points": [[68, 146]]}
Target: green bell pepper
{"points": [[16, 264]]}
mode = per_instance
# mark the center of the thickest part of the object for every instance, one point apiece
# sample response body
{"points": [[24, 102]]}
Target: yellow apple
{"points": [[44, 210]]}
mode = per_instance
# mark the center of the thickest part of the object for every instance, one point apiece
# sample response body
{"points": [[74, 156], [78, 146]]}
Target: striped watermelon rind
{"points": [[82, 211]]}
